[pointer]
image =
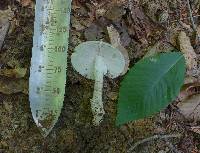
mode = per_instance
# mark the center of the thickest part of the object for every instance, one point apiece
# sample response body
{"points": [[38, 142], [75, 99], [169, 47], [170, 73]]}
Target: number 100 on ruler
{"points": [[49, 61]]}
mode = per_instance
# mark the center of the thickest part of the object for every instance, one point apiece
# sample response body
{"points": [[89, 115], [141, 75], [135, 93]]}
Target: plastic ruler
{"points": [[49, 61]]}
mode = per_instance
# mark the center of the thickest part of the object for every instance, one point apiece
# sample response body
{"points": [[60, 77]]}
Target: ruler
{"points": [[49, 61]]}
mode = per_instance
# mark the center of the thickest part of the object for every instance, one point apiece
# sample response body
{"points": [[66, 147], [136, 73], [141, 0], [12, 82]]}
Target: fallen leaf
{"points": [[190, 79], [94, 32], [143, 27], [190, 108], [158, 48], [25, 2], [188, 51], [150, 86], [198, 35], [76, 24], [188, 90], [14, 73], [115, 41], [13, 86], [195, 129], [114, 36], [3, 31], [113, 95], [115, 13], [186, 26], [122, 29], [4, 25]]}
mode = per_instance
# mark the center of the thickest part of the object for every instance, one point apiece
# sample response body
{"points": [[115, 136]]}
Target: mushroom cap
{"points": [[83, 59]]}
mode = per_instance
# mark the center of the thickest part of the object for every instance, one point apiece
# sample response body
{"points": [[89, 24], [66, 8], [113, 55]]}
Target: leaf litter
{"points": [[140, 28], [190, 108], [116, 42], [13, 73], [188, 51], [4, 24]]}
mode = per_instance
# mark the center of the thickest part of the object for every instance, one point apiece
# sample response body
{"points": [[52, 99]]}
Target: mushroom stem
{"points": [[96, 102]]}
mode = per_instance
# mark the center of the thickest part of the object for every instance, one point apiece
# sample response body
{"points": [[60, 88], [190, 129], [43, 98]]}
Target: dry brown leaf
{"points": [[190, 108], [188, 51], [14, 73], [188, 90], [198, 35], [4, 24], [3, 31], [113, 95], [25, 2], [190, 79], [159, 47], [195, 129], [115, 41], [115, 13], [76, 24], [13, 86]]}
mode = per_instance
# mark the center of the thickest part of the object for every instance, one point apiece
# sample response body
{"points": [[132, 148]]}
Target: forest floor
{"points": [[143, 25]]}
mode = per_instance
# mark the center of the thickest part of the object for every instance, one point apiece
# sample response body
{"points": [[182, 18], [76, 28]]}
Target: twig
{"points": [[151, 139], [196, 16], [130, 5], [191, 17], [192, 21]]}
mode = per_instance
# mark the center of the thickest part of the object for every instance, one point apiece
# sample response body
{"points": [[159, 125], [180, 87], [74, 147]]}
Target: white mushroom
{"points": [[94, 59]]}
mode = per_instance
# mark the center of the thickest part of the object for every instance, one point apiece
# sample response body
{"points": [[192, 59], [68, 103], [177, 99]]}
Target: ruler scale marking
{"points": [[49, 61]]}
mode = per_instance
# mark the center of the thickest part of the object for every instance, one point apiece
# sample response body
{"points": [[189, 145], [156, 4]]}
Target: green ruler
{"points": [[49, 61]]}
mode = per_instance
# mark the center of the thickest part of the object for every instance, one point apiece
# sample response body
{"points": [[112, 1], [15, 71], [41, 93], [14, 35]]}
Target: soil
{"points": [[141, 25]]}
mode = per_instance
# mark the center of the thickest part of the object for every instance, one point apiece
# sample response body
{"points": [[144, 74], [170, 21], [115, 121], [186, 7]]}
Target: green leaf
{"points": [[150, 86]]}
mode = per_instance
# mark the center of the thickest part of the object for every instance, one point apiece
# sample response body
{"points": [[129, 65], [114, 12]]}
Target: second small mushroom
{"points": [[94, 59]]}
